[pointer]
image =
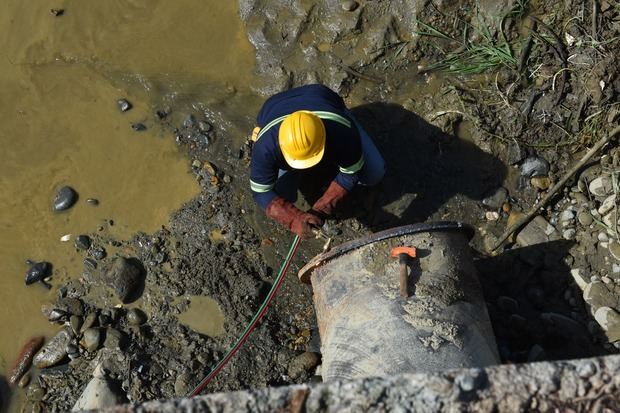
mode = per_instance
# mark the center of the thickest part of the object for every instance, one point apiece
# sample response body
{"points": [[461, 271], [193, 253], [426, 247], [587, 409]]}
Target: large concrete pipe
{"points": [[367, 329]]}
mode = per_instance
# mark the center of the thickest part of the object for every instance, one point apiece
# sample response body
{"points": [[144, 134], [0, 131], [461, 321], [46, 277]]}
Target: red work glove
{"points": [[292, 218], [325, 205]]}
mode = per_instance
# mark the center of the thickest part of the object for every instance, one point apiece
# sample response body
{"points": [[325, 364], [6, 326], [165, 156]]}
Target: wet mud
{"points": [[450, 140]]}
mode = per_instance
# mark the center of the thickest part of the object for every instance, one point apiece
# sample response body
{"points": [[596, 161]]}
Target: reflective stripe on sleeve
{"points": [[356, 167], [256, 187]]}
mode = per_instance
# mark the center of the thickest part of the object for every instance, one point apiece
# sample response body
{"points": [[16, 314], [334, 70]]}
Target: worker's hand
{"points": [[304, 225], [325, 205], [299, 222]]}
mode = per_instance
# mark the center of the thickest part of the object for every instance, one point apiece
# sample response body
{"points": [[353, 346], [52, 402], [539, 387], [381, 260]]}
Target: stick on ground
{"points": [[559, 185]]}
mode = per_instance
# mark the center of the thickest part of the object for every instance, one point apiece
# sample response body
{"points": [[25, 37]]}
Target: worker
{"points": [[300, 130]]}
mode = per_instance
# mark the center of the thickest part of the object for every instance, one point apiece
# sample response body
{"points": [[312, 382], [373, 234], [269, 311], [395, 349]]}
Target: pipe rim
{"points": [[318, 260]]}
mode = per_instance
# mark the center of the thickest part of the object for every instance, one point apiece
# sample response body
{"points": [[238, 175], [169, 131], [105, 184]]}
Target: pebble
{"points": [[70, 305], [609, 319], [100, 393], [507, 304], [579, 198], [90, 264], [75, 322], [123, 105], [534, 166], [136, 317], [601, 186], [614, 249], [89, 321], [189, 121], [606, 279], [542, 183], [469, 380], [349, 5], [138, 127], [587, 369], [536, 353], [602, 237], [38, 272], [567, 215], [54, 351], [204, 126], [615, 268], [92, 201], [82, 242], [23, 382], [491, 216], [90, 339], [584, 218], [496, 199], [607, 205], [35, 392], [114, 339], [597, 294], [57, 12], [580, 277], [65, 198], [125, 278], [569, 233], [98, 253], [302, 364]]}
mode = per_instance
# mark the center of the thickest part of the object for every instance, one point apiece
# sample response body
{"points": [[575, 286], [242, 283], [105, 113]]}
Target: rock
{"points": [[82, 242], [542, 183], [92, 201], [90, 264], [597, 295], [57, 12], [180, 385], [54, 351], [73, 351], [614, 250], [89, 321], [569, 233], [98, 253], [125, 278], [586, 369], [534, 166], [123, 105], [23, 382], [75, 322], [24, 360], [34, 392], [469, 380], [70, 305], [189, 121], [601, 186], [495, 200], [609, 320], [602, 237], [584, 218], [537, 231], [607, 205], [536, 353], [136, 317], [138, 127], [565, 326], [491, 216], [204, 126], [65, 198], [349, 5], [91, 339], [114, 339], [515, 153], [580, 278], [38, 272], [303, 363], [567, 216], [100, 393], [579, 198], [507, 304]]}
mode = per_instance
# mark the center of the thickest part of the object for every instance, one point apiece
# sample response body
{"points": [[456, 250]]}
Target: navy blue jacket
{"points": [[343, 147]]}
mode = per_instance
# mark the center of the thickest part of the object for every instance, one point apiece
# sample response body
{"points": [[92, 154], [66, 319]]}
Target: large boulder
{"points": [[126, 278]]}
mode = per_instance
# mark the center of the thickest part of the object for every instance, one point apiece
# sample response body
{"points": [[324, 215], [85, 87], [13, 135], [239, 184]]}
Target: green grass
{"points": [[486, 53]]}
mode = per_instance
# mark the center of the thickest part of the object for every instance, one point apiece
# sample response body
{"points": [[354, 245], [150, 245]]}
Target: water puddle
{"points": [[60, 78], [202, 315]]}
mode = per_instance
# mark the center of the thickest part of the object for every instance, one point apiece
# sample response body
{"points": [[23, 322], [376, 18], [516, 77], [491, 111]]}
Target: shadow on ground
{"points": [[425, 169], [536, 310]]}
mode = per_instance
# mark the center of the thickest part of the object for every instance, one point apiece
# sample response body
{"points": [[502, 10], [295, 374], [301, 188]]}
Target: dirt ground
{"points": [[452, 131]]}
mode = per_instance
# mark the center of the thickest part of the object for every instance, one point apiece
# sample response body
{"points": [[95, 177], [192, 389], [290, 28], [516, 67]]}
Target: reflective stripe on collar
{"points": [[321, 114]]}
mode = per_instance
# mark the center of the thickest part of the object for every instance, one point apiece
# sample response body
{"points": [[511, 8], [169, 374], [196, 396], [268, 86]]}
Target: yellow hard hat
{"points": [[302, 139]]}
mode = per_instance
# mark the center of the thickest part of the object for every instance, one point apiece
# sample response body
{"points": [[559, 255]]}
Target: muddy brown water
{"points": [[60, 78]]}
